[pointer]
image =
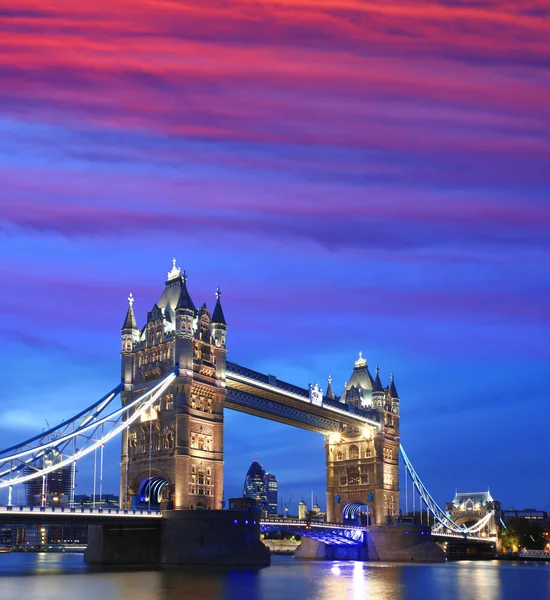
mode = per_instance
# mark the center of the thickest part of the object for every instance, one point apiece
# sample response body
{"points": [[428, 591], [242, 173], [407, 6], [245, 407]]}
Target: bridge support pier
{"points": [[182, 537], [315, 550], [130, 544], [384, 543], [406, 543]]}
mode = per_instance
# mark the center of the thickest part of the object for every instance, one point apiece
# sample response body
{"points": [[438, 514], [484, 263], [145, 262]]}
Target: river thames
{"points": [[58, 576]]}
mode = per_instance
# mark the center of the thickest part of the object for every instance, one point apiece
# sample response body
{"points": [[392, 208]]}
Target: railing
{"points": [[73, 510], [534, 554], [271, 380], [465, 536], [239, 370], [309, 524]]}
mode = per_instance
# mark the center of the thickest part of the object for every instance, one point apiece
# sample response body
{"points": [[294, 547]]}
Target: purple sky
{"points": [[357, 176]]}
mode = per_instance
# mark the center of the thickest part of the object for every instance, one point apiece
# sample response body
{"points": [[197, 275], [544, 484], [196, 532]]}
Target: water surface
{"points": [[43, 576]]}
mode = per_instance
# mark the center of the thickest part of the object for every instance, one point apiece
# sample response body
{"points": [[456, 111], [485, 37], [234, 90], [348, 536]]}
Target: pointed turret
{"points": [[377, 387], [185, 315], [330, 393], [219, 335], [393, 390], [130, 335], [217, 315], [184, 300], [377, 391], [130, 320]]}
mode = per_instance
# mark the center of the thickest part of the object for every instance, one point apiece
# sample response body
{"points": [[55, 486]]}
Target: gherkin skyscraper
{"points": [[262, 487]]}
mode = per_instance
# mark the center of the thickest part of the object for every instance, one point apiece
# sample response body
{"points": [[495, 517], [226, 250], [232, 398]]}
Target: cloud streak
{"points": [[350, 172]]}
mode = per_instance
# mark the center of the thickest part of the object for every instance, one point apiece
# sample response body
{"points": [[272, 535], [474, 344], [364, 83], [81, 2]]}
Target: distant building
{"points": [[316, 508], [467, 508], [254, 485], [72, 533], [42, 535], [5, 536], [527, 513], [55, 488], [272, 486], [246, 504], [302, 509], [262, 487]]}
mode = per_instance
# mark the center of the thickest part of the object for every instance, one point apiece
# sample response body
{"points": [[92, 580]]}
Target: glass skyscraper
{"points": [[262, 487], [271, 485]]}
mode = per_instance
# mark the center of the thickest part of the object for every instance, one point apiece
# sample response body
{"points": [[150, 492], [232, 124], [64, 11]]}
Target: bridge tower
{"points": [[175, 452], [362, 464], [468, 508]]}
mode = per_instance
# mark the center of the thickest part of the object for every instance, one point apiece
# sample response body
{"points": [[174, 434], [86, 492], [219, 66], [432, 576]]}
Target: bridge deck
{"points": [[266, 396], [65, 514]]}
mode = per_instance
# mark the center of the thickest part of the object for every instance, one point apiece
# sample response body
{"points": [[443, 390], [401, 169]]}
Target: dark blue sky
{"points": [[368, 179]]}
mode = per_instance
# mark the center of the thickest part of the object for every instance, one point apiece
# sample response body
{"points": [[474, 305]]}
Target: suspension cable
{"points": [[141, 404]]}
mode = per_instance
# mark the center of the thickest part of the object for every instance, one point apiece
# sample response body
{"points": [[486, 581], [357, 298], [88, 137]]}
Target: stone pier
{"points": [[183, 537], [386, 543]]}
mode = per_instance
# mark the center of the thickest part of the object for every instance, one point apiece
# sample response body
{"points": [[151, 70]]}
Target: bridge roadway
{"points": [[65, 515], [463, 537], [266, 396], [331, 533], [58, 515]]}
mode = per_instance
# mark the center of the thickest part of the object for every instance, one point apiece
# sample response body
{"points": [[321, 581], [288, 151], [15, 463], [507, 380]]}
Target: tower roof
{"points": [[130, 320], [361, 377], [330, 393], [377, 387], [184, 300], [217, 315], [393, 390], [255, 470], [476, 497]]}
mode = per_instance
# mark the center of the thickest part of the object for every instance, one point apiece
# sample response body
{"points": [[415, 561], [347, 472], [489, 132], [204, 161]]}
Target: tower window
{"points": [[354, 452]]}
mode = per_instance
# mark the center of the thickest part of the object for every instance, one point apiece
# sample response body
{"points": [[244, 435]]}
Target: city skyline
{"points": [[382, 192]]}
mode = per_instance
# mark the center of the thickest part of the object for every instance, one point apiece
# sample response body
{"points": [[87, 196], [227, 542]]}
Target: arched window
{"points": [[354, 452], [339, 455]]}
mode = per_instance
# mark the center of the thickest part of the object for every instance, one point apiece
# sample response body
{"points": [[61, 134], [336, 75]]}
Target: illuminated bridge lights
{"points": [[241, 375], [89, 430], [41, 511], [13, 467], [329, 533]]}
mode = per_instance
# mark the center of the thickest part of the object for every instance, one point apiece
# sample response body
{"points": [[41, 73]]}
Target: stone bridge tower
{"points": [[362, 464], [175, 452]]}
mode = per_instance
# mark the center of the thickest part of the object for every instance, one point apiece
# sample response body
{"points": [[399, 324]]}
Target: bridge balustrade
{"points": [[56, 510]]}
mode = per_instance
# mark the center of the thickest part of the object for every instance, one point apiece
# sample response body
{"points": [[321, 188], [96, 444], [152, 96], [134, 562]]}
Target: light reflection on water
{"points": [[59, 576]]}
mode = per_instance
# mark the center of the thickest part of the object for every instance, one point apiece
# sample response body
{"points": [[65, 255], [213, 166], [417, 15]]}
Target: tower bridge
{"points": [[176, 384]]}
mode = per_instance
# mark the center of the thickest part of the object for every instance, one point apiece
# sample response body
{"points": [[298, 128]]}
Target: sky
{"points": [[355, 176]]}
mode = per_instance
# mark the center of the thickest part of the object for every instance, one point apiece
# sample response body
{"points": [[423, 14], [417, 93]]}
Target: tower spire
{"points": [[130, 320], [217, 315], [377, 387], [393, 390], [184, 300], [175, 272], [360, 362], [330, 393]]}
